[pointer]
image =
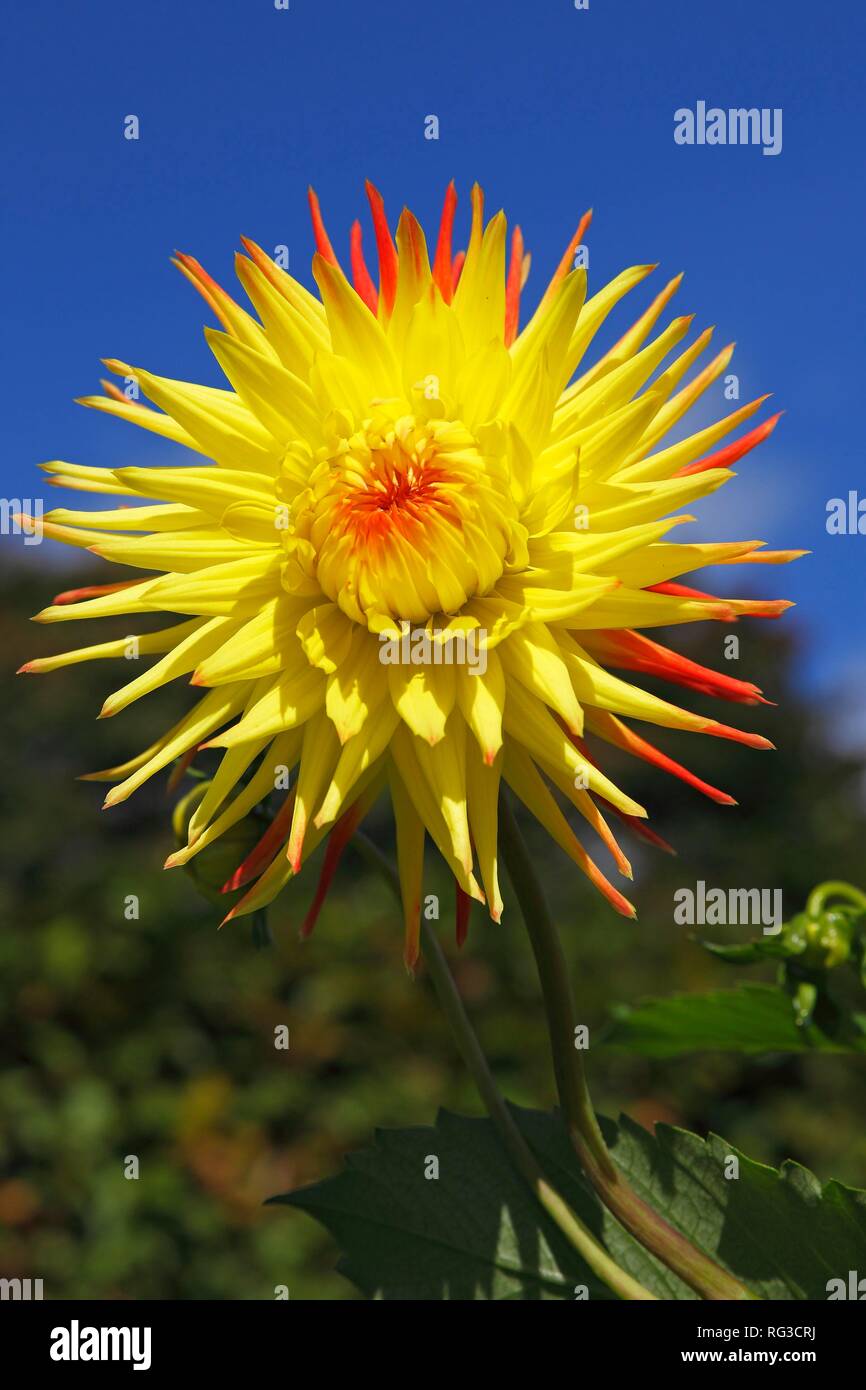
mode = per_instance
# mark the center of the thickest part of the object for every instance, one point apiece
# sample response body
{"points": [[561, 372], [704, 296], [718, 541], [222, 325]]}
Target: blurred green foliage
{"points": [[154, 1036]]}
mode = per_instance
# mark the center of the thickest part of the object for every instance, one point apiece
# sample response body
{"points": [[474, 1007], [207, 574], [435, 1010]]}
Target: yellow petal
{"points": [[532, 656], [355, 333], [409, 829], [320, 753], [424, 697], [209, 714], [178, 662], [357, 687], [531, 725], [481, 697], [289, 700], [482, 785]]}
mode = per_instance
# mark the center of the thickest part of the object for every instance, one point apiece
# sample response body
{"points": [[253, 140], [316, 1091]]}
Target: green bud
{"points": [[215, 864], [828, 939]]}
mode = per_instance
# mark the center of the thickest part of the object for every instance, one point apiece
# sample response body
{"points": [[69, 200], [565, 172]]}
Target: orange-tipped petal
{"points": [[763, 608], [116, 394], [637, 334], [201, 281], [618, 901], [219, 300], [565, 264], [767, 557], [266, 264]]}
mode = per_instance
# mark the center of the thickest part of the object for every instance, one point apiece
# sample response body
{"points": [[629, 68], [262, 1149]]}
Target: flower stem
{"points": [[470, 1049], [570, 1225], [694, 1267]]}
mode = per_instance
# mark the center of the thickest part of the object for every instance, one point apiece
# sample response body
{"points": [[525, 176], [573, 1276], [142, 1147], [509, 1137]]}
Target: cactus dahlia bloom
{"points": [[396, 461]]}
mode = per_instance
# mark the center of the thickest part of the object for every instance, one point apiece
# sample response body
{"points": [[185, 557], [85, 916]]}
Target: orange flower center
{"points": [[406, 519]]}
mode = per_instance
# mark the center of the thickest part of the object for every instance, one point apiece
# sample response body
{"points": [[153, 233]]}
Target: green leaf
{"points": [[473, 1232], [476, 1232], [750, 1019]]}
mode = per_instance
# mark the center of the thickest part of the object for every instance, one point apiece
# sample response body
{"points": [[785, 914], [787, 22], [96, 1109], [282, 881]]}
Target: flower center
{"points": [[406, 519]]}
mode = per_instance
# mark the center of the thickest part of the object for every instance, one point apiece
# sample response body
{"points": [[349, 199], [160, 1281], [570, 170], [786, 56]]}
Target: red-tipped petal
{"points": [[92, 591], [737, 607], [262, 853], [323, 244], [727, 457], [463, 907], [683, 591], [457, 267], [512, 287], [614, 731], [632, 651], [717, 730], [339, 837], [179, 770], [644, 832], [385, 247], [361, 277], [442, 273]]}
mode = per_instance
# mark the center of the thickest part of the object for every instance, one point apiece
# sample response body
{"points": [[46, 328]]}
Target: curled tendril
{"points": [[833, 888]]}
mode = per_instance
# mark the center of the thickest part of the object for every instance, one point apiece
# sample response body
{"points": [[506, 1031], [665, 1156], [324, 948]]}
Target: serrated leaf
{"points": [[778, 1230], [753, 1019], [476, 1231]]}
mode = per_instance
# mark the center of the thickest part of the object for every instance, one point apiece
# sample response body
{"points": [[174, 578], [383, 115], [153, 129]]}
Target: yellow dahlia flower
{"points": [[415, 546]]}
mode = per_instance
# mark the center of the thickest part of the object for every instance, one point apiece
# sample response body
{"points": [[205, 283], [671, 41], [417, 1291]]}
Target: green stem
{"points": [[470, 1049], [557, 1209], [694, 1267], [834, 888]]}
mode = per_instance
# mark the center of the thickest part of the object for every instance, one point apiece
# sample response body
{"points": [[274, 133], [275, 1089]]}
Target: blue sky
{"points": [[552, 109]]}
